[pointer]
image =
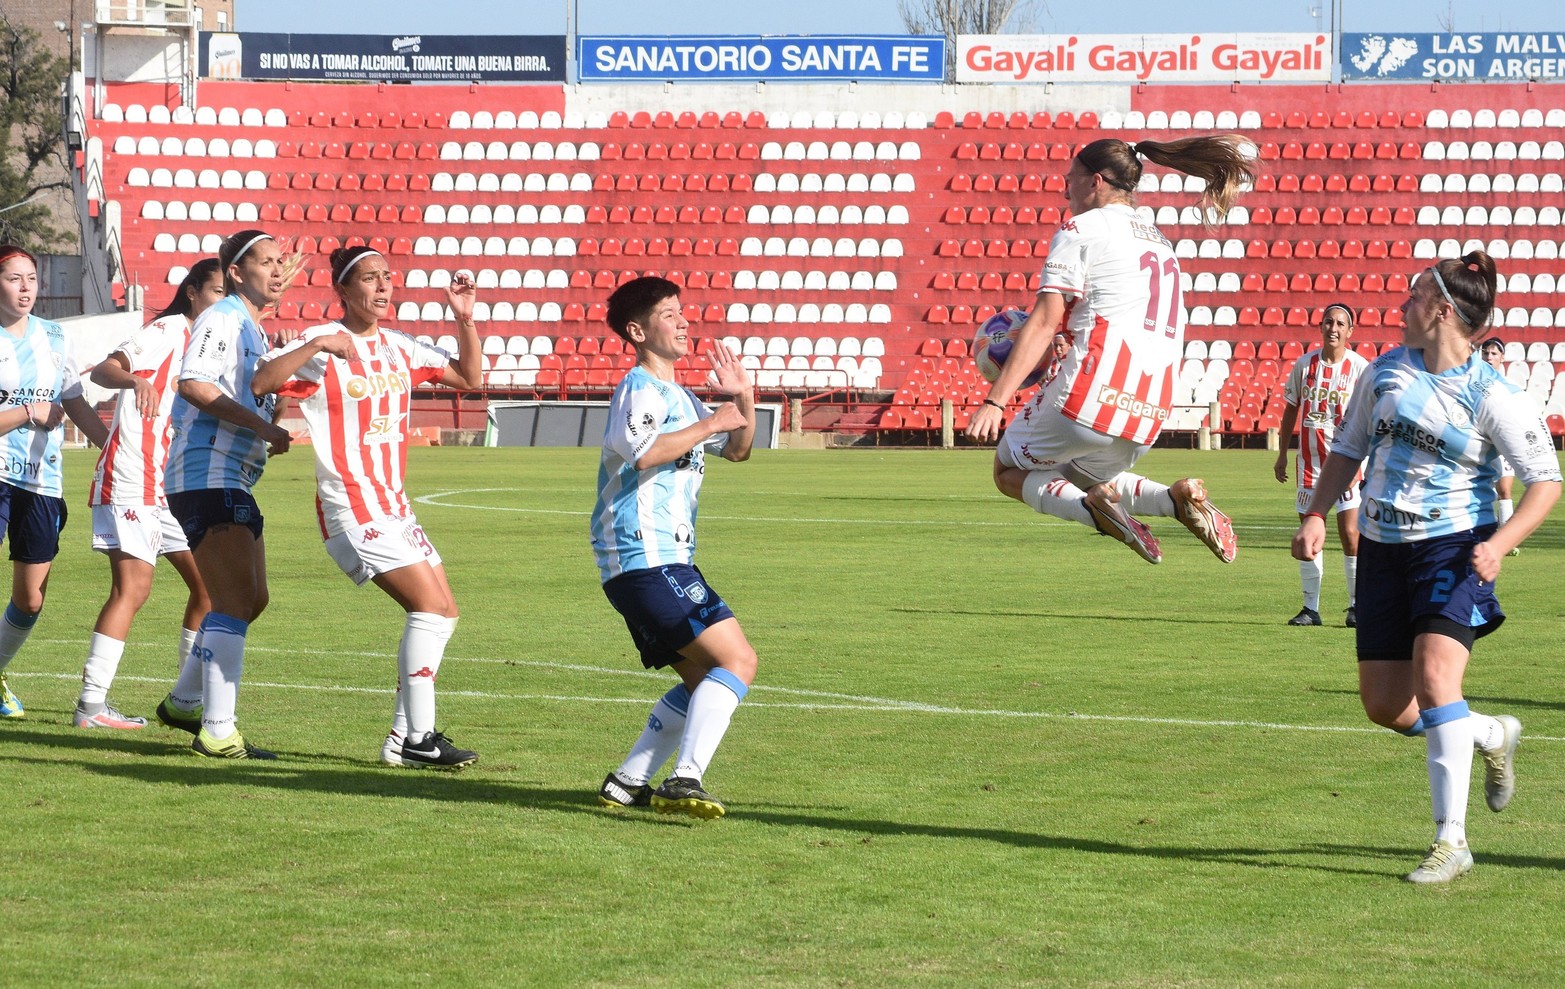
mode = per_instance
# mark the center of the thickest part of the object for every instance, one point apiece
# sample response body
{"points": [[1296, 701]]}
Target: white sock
{"points": [[1350, 570], [1488, 733], [1310, 573], [222, 667], [186, 693], [423, 646], [662, 735], [1047, 493], [1143, 496], [399, 714], [1503, 510], [712, 706], [15, 627], [103, 658], [1450, 762]]}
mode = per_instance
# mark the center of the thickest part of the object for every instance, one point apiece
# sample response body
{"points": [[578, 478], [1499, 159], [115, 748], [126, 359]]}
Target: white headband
{"points": [[1440, 284], [251, 243], [342, 278]]}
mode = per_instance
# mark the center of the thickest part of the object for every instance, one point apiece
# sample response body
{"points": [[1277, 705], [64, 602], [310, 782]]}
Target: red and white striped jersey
{"points": [[1320, 391], [130, 468], [357, 413], [1126, 317]]}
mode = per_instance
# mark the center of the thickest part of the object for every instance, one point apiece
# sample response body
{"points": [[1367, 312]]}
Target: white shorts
{"points": [[143, 531], [1043, 438], [367, 551], [1349, 502]]}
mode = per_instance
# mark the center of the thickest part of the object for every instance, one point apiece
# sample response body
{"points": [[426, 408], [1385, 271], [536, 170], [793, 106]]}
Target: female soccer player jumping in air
{"points": [[354, 381], [1112, 279], [1432, 419], [131, 522], [40, 385], [643, 534]]}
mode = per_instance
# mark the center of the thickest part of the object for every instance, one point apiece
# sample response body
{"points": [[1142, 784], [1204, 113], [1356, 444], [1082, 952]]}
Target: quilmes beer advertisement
{"points": [[384, 57]]}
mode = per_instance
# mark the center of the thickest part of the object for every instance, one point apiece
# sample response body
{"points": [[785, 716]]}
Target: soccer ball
{"points": [[992, 345]]}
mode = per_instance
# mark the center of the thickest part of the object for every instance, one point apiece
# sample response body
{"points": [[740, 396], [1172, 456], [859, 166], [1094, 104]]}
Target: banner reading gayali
{"points": [[377, 57]]}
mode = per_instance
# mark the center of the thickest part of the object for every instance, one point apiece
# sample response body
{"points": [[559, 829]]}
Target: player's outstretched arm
{"points": [[669, 447], [1334, 479], [1536, 503], [1290, 418], [1027, 350], [209, 398], [274, 372], [86, 419]]}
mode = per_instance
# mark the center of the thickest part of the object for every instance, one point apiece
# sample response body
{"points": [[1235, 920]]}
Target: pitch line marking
{"points": [[432, 500], [842, 702]]}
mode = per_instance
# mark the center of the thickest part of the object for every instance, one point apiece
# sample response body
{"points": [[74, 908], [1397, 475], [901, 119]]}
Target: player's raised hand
{"points": [[461, 294], [728, 375]]}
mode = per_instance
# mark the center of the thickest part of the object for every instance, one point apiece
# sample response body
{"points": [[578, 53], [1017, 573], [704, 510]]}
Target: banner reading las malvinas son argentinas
{"points": [[1288, 57]]}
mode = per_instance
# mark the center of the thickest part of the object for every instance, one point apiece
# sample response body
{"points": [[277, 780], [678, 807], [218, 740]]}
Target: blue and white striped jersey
{"points": [[38, 367], [647, 518], [1434, 443], [207, 452]]}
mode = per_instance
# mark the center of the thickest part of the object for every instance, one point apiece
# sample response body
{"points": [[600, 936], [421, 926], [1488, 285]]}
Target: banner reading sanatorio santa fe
{"points": [[1410, 55], [1203, 57], [375, 57], [783, 57]]}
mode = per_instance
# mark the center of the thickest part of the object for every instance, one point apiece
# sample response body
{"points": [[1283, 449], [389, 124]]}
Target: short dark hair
{"points": [[634, 301], [1492, 342]]}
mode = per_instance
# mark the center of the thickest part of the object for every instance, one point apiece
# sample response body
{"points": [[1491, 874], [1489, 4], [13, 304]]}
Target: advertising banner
{"points": [[1116, 58], [1511, 57], [376, 57], [731, 58]]}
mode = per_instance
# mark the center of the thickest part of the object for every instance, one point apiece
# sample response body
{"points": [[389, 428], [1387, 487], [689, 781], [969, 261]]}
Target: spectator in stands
{"points": [[131, 522], [39, 387], [354, 381], [222, 436], [1432, 419], [1069, 450], [643, 534], [1493, 351], [1320, 385]]}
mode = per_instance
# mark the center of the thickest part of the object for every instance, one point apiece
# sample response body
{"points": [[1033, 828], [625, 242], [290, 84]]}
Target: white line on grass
{"points": [[1022, 522], [860, 703]]}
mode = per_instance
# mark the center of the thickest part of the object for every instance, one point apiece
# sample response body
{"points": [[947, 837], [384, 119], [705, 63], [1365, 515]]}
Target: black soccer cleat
{"points": [[1306, 616], [173, 717], [683, 795], [1352, 619], [436, 752], [616, 792]]}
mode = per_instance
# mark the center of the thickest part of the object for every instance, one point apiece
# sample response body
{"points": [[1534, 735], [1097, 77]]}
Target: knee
{"points": [[29, 602], [744, 665], [1387, 715]]}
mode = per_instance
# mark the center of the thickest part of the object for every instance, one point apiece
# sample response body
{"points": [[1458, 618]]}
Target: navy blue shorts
{"points": [[1405, 589], [31, 523], [665, 608], [198, 511]]}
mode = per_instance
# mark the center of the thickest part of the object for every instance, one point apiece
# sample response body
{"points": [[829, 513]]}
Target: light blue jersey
{"points": [[647, 518], [35, 368], [1434, 443], [207, 452]]}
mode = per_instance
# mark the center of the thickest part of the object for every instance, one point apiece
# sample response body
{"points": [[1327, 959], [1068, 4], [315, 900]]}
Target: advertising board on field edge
{"points": [[1156, 58], [757, 58], [383, 57]]}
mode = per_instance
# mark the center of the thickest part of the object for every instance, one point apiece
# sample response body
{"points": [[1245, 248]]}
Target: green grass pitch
{"points": [[985, 748]]}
